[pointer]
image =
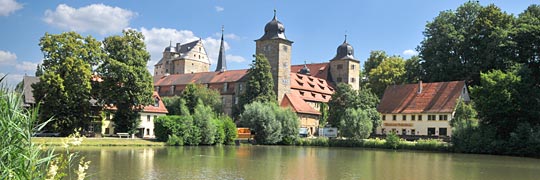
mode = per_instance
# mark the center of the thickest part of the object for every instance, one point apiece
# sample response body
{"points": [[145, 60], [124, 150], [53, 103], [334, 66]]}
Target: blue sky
{"points": [[316, 27]]}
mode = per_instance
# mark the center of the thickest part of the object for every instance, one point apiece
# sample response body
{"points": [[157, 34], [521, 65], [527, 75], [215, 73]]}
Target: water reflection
{"points": [[277, 162]]}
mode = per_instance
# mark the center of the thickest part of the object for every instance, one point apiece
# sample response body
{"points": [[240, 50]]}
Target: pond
{"points": [[289, 162]]}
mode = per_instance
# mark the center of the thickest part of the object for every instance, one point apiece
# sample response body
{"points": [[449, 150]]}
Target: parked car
{"points": [[46, 134]]}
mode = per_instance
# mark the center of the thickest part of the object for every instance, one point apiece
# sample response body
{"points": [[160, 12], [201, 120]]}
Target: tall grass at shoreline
{"points": [[19, 157], [422, 144]]}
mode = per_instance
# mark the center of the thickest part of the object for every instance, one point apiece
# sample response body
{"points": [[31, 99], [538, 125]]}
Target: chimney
{"points": [[419, 87]]}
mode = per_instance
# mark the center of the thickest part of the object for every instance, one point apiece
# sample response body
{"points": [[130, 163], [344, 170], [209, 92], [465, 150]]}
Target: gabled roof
{"points": [[200, 78], [319, 70], [437, 97], [298, 105], [161, 107], [310, 83], [182, 49]]}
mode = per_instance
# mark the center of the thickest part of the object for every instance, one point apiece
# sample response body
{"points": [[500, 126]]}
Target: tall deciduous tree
{"points": [[356, 124], [527, 37], [209, 97], [375, 58], [390, 71], [64, 89], [460, 44], [259, 84], [413, 70], [127, 84]]}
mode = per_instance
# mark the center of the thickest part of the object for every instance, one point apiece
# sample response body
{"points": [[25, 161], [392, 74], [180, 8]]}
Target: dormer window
{"points": [[156, 102], [302, 93]]}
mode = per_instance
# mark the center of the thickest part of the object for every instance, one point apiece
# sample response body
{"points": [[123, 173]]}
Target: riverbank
{"points": [[59, 141], [426, 145]]}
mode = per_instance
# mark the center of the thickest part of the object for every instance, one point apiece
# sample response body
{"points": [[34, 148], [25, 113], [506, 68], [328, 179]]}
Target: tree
{"points": [[343, 97], [193, 93], [374, 60], [290, 124], [259, 84], [203, 118], [64, 89], [261, 118], [391, 71], [356, 124], [231, 132], [464, 116], [460, 44], [127, 84], [526, 34], [323, 119], [413, 70]]}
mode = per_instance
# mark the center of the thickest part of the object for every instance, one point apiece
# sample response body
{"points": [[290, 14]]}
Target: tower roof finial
{"points": [[345, 41], [170, 42], [275, 12]]}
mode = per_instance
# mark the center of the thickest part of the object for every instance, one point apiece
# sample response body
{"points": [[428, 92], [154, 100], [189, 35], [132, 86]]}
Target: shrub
{"points": [[356, 124], [202, 118], [174, 140], [392, 140], [230, 130], [290, 125], [261, 118]]}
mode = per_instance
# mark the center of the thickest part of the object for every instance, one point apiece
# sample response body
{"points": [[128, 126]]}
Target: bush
{"points": [[202, 118], [290, 125], [174, 140], [356, 124], [230, 130], [261, 118], [392, 140]]}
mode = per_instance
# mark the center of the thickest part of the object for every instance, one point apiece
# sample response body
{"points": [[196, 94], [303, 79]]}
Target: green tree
{"points": [[259, 84], [290, 125], [343, 97], [374, 60], [323, 119], [64, 89], [231, 132], [464, 116], [460, 44], [203, 118], [526, 34], [390, 71], [261, 118], [356, 124], [413, 70], [195, 92], [127, 84]]}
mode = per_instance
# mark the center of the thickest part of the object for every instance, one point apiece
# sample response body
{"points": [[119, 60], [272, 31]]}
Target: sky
{"points": [[317, 28]]}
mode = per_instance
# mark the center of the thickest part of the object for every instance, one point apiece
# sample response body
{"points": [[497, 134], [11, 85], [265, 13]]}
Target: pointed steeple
{"points": [[222, 62]]}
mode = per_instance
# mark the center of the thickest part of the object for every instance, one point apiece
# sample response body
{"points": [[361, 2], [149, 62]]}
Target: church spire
{"points": [[222, 62]]}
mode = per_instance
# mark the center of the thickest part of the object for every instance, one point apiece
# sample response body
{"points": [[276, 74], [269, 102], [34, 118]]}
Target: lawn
{"points": [[58, 141]]}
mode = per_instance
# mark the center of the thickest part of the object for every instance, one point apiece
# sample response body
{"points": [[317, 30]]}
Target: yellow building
{"points": [[423, 109]]}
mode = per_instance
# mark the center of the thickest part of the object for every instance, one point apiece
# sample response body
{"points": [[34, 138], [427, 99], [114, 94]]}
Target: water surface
{"points": [[287, 162]]}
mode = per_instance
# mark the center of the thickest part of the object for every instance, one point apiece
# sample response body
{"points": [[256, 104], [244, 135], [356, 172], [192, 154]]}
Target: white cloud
{"points": [[7, 57], [219, 8], [233, 58], [9, 6], [410, 52], [12, 79], [96, 17], [157, 39], [26, 66]]}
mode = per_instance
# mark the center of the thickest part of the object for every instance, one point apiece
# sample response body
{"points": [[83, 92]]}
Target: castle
{"points": [[301, 87]]}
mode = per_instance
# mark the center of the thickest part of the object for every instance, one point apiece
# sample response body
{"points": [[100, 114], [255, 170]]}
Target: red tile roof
{"points": [[311, 88], [200, 78], [298, 105], [319, 70], [438, 97], [150, 108]]}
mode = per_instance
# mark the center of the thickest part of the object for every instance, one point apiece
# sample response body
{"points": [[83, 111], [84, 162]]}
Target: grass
{"points": [[58, 141]]}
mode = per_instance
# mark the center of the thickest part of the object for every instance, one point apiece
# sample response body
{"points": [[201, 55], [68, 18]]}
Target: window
{"points": [[383, 131], [432, 117], [352, 79], [404, 117], [340, 66], [403, 131], [384, 117], [156, 102], [413, 117], [443, 117], [352, 67], [240, 87], [235, 100], [443, 132], [431, 131], [338, 79], [148, 132], [107, 130], [394, 130], [394, 117], [225, 87], [419, 117], [148, 118], [413, 132]]}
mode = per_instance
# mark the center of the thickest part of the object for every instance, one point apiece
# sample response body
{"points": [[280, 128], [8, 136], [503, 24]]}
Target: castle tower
{"points": [[183, 59], [222, 62], [277, 49], [344, 68]]}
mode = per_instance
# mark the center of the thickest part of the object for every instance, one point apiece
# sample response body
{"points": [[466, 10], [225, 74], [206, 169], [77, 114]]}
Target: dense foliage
{"points": [[204, 127], [198, 92], [127, 84], [259, 84], [271, 124], [356, 124], [345, 97], [64, 90]]}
